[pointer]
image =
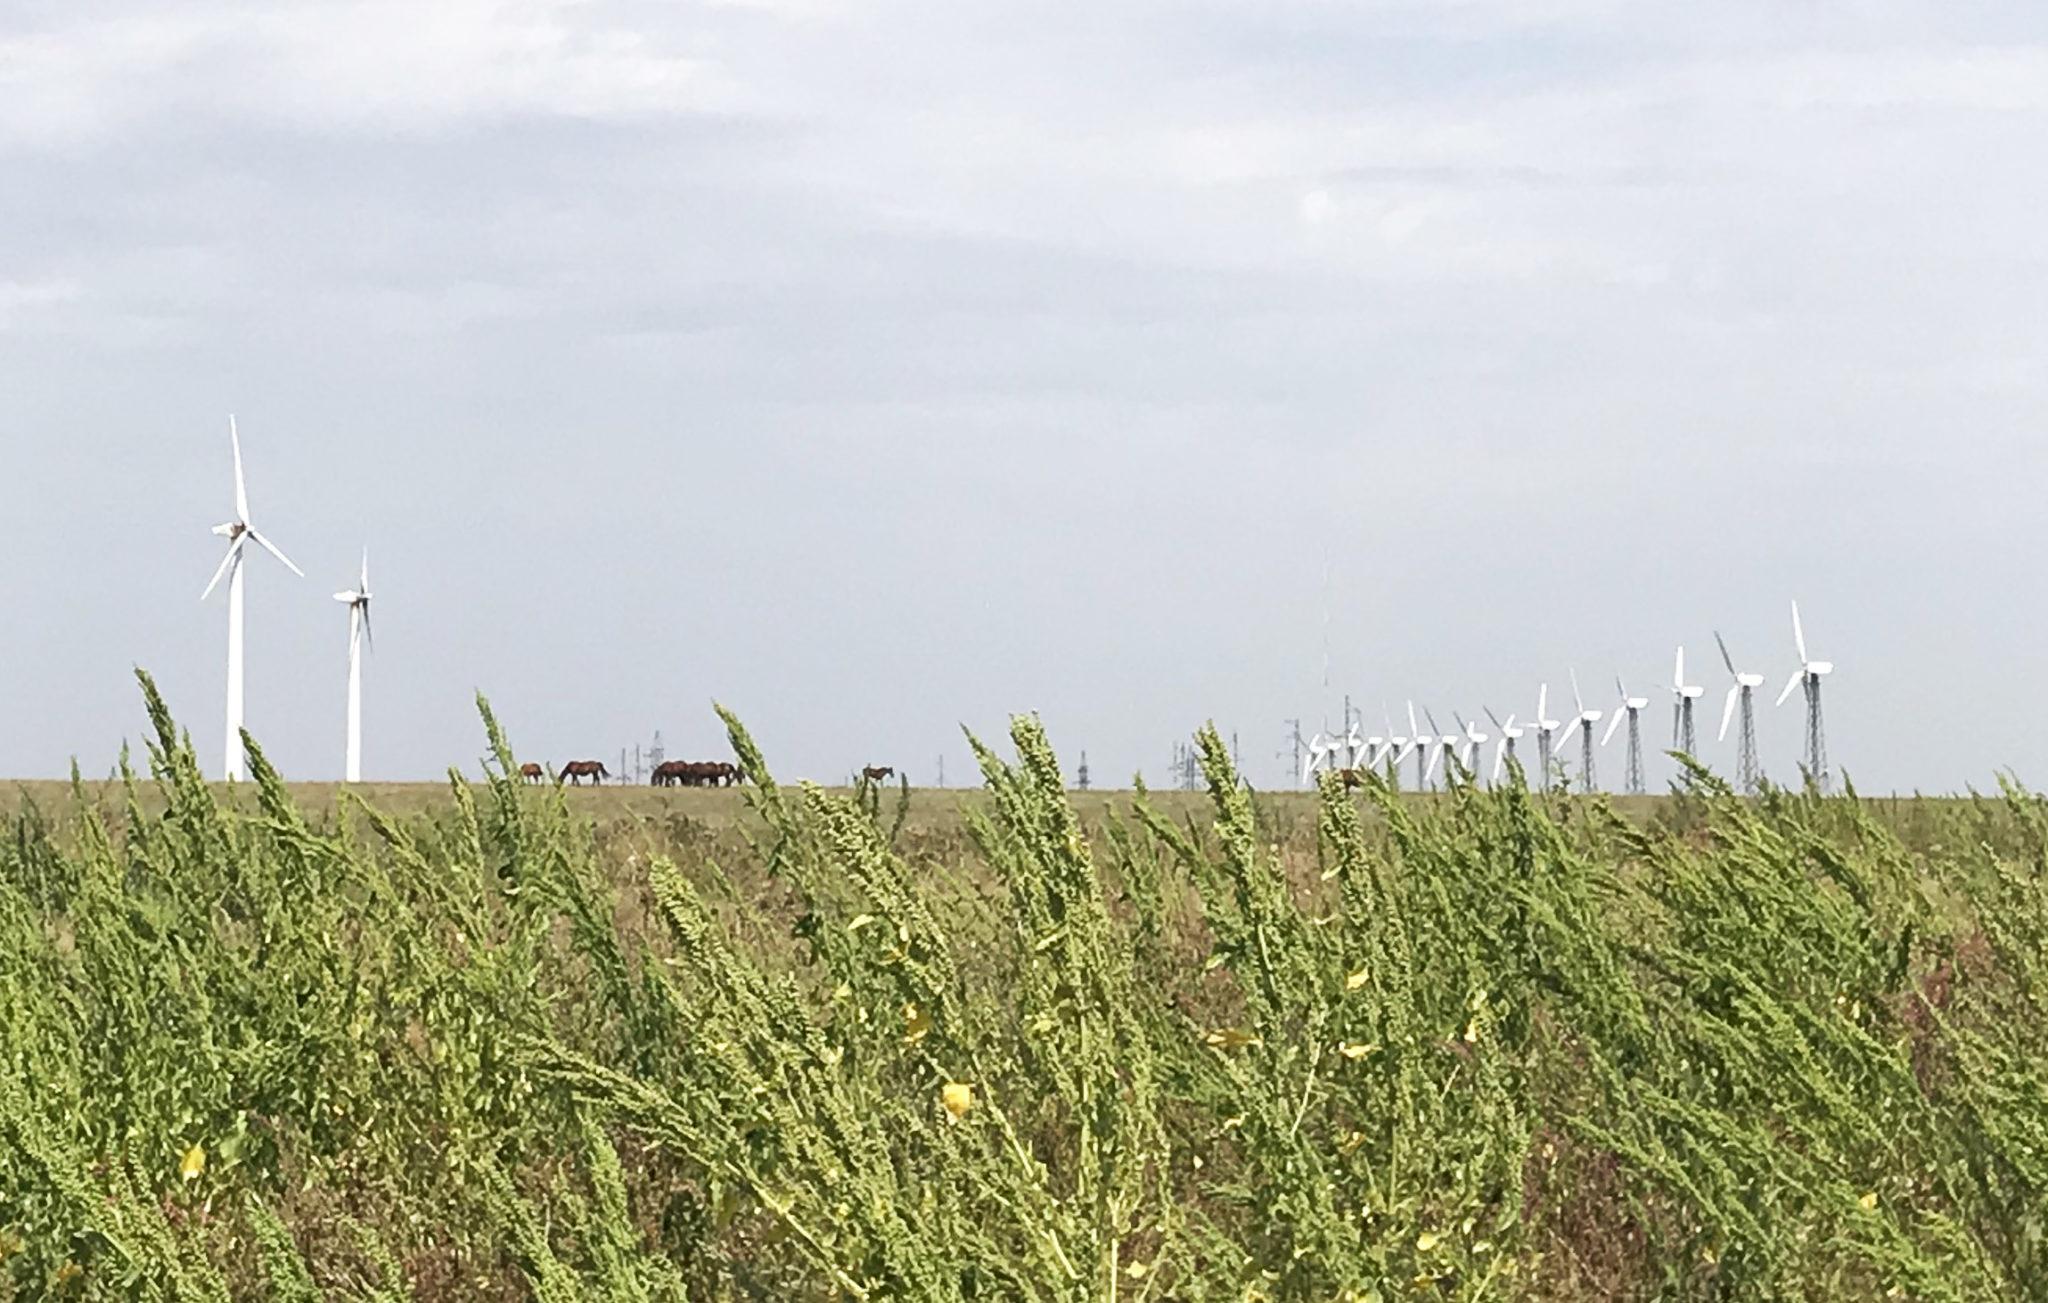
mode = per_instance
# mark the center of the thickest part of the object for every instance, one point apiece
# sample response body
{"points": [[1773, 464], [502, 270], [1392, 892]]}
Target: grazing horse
{"points": [[877, 774], [696, 773], [577, 770], [532, 773]]}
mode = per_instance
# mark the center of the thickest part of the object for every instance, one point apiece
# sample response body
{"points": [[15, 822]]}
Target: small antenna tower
{"points": [[942, 769], [1297, 745], [1081, 778]]}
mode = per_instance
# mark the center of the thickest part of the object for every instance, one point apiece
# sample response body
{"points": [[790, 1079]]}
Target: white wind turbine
{"points": [[1546, 728], [1354, 745], [1397, 743], [358, 599], [238, 532], [1474, 740], [1445, 742], [1585, 722], [1318, 754], [1683, 694], [1809, 674], [1509, 734], [1422, 744], [1743, 691], [1632, 710]]}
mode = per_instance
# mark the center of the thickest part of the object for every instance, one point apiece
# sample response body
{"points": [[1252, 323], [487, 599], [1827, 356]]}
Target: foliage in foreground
{"points": [[1488, 1045]]}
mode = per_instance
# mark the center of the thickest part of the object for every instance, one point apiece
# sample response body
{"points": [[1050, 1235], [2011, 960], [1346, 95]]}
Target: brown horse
{"points": [[696, 773], [877, 774], [532, 773], [577, 770]]}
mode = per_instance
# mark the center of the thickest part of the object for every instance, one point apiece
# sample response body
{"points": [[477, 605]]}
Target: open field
{"points": [[506, 1042]]}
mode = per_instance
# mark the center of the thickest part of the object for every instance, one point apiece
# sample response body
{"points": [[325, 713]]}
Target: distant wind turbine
{"points": [[1743, 692], [1810, 673], [1509, 734], [1631, 709], [1546, 729], [358, 600], [1683, 694], [1445, 743], [238, 532], [1397, 743], [1585, 722], [1474, 742], [1318, 753]]}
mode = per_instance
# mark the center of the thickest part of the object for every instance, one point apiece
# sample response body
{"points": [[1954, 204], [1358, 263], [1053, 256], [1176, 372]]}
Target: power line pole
{"points": [[942, 770], [1296, 747]]}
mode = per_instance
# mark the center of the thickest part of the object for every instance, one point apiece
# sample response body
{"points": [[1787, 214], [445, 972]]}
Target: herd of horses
{"points": [[669, 773]]}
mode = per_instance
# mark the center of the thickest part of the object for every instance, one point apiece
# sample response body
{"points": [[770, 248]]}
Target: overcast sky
{"points": [[878, 368]]}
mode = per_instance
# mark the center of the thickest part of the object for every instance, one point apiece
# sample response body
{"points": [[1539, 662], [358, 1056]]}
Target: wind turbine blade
{"points": [[1429, 771], [1414, 729], [1621, 687], [1678, 671], [1612, 724], [271, 548], [1726, 659], [1794, 682], [226, 562], [241, 485], [1577, 700], [1495, 718], [1728, 711], [1505, 727], [1500, 760], [364, 586], [369, 636], [1564, 739], [1542, 703], [1798, 634]]}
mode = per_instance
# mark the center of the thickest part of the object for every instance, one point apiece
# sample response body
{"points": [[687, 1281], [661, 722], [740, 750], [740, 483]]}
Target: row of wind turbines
{"points": [[239, 532], [1430, 747]]}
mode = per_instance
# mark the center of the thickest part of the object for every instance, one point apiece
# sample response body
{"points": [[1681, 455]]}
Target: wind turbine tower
{"points": [[1632, 709], [1546, 729], [1474, 743], [238, 532], [1683, 694], [1585, 722], [1505, 752], [1744, 693], [1423, 744], [1445, 744], [1810, 673], [358, 600]]}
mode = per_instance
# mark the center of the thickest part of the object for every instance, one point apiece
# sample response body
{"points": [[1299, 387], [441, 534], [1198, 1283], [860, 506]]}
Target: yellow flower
{"points": [[1231, 1038], [1427, 1242], [194, 1164], [1355, 980], [917, 1024], [958, 1097], [1356, 1050], [1869, 1201]]}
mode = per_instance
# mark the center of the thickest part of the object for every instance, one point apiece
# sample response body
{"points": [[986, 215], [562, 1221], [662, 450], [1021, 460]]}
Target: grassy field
{"points": [[489, 1041]]}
